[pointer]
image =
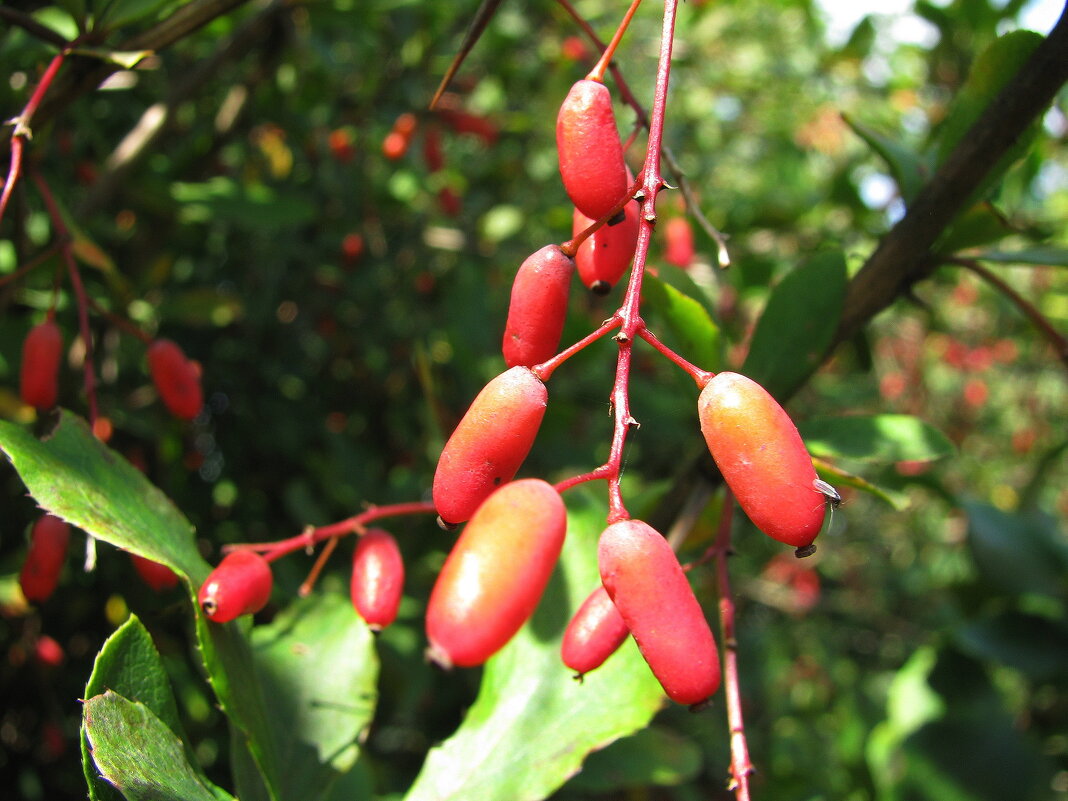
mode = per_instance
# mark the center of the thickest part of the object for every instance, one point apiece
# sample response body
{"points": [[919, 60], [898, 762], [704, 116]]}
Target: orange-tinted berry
{"points": [[595, 633], [649, 588], [396, 143], [606, 254], [49, 538], [762, 458], [678, 235], [489, 443], [591, 156], [377, 578], [496, 573], [41, 353], [538, 307], [239, 585], [177, 379], [159, 577]]}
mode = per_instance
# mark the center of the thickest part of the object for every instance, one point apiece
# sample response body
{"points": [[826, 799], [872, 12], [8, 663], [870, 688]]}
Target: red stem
{"points": [[22, 127], [311, 535], [64, 235], [597, 73], [701, 377], [741, 765], [545, 369]]}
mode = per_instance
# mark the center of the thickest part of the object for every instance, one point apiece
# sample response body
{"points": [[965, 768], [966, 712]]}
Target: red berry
{"points": [[433, 154], [591, 156], [762, 458], [463, 122], [606, 253], [594, 633], [679, 237], [352, 248], [396, 142], [177, 379], [239, 585], [41, 353], [538, 307], [158, 577], [377, 578], [449, 201], [649, 588], [48, 652], [48, 550], [341, 146], [489, 443], [496, 573]]}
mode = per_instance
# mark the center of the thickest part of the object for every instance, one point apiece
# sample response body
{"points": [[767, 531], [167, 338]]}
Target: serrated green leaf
{"points": [[909, 169], [689, 320], [137, 753], [1044, 255], [880, 438], [129, 664], [797, 325], [317, 664], [75, 476], [532, 724]]}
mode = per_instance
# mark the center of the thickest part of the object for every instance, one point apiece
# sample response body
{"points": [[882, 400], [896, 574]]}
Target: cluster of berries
{"points": [[497, 570]]}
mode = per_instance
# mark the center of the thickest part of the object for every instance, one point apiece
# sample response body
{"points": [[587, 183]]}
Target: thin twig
{"points": [[32, 26], [1055, 338]]}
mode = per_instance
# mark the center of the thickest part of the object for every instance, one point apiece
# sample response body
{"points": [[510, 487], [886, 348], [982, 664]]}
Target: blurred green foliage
{"points": [[934, 663]]}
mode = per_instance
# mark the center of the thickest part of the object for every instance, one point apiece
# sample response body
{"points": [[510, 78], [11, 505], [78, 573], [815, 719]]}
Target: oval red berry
{"points": [[239, 585], [649, 588], [538, 307], [591, 155], [42, 351], [177, 379], [489, 443], [762, 458], [49, 539], [377, 578], [496, 573], [594, 633]]}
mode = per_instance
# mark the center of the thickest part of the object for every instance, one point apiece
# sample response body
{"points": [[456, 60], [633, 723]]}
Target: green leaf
{"points": [[979, 225], [252, 206], [129, 664], [1044, 255], [127, 59], [653, 757], [690, 322], [875, 438], [1036, 645], [798, 324], [992, 69], [123, 12], [1019, 553], [138, 753], [909, 169], [839, 478], [532, 723], [317, 664], [75, 476]]}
